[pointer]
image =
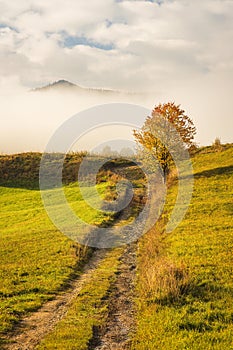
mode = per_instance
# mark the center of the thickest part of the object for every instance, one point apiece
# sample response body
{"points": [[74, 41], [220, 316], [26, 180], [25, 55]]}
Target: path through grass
{"points": [[36, 259]]}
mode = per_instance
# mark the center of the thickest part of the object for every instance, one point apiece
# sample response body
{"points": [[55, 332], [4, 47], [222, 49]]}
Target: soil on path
{"points": [[120, 323]]}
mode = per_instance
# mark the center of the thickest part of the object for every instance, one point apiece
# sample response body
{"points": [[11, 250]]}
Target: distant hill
{"points": [[67, 86], [59, 84], [22, 169]]}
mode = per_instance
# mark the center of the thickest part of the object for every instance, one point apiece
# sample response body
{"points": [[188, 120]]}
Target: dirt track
{"points": [[120, 322]]}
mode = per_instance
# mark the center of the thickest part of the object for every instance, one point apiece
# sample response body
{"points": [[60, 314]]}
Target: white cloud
{"points": [[175, 49], [194, 35]]}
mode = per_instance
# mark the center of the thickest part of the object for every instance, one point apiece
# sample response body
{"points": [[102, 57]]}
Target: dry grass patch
{"points": [[165, 281]]}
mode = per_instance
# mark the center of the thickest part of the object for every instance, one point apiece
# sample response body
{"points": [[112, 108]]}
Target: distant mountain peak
{"points": [[67, 86], [61, 83]]}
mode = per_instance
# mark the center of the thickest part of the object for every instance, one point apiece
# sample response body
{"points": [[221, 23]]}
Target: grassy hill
{"points": [[185, 282], [22, 170], [184, 279]]}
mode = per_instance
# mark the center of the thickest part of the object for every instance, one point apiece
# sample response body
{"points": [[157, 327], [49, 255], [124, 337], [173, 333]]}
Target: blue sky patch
{"points": [[2, 25], [71, 41]]}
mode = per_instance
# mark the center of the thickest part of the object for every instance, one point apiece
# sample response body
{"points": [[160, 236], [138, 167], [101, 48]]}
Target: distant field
{"points": [[36, 259], [185, 278]]}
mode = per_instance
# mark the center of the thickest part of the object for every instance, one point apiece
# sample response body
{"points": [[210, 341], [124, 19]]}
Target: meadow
{"points": [[36, 259], [185, 284]]}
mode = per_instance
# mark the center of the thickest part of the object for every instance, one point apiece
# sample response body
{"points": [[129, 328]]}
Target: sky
{"points": [[165, 50]]}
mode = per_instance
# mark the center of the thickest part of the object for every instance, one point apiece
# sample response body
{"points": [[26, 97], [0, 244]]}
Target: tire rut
{"points": [[120, 323]]}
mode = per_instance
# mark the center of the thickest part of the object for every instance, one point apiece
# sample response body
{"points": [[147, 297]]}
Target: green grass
{"points": [[185, 284], [88, 311], [194, 265], [36, 259]]}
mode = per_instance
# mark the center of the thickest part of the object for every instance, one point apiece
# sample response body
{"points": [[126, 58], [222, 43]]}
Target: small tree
{"points": [[161, 131], [217, 144]]}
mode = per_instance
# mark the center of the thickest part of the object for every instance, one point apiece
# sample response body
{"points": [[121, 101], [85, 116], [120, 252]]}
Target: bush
{"points": [[217, 146]]}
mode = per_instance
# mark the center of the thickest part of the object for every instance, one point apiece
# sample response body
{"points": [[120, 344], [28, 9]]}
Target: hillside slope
{"points": [[185, 278]]}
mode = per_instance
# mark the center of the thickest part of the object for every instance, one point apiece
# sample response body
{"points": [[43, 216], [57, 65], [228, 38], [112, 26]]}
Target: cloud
{"points": [[182, 37], [173, 49]]}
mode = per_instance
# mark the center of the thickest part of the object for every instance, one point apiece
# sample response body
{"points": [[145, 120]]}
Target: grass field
{"points": [[36, 259], [185, 279]]}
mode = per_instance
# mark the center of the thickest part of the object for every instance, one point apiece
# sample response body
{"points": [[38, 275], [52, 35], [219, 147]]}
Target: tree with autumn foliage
{"points": [[166, 131]]}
